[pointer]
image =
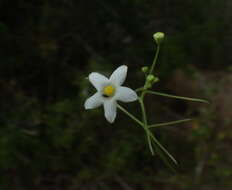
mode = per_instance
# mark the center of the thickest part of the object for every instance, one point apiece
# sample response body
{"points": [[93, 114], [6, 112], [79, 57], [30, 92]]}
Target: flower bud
{"points": [[150, 78], [159, 36], [156, 80], [144, 69]]}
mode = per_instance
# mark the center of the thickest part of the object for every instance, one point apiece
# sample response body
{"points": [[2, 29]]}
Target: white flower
{"points": [[109, 91]]}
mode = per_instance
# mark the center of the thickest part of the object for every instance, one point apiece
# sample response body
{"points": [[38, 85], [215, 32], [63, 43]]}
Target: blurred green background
{"points": [[48, 48]]}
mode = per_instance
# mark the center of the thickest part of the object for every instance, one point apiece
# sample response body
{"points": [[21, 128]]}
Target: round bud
{"points": [[150, 78], [156, 79], [159, 36], [144, 69]]}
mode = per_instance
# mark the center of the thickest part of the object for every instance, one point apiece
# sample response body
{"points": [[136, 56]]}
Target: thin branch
{"points": [[177, 97], [169, 123], [130, 115]]}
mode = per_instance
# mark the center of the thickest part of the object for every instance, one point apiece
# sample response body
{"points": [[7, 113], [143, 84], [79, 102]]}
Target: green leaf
{"points": [[168, 159], [169, 123], [177, 97]]}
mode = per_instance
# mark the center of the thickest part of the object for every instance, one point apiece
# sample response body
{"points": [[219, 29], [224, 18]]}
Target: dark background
{"points": [[48, 48]]}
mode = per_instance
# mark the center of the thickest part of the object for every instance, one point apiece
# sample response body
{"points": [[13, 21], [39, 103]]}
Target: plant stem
{"points": [[144, 125], [155, 59], [163, 149], [168, 123], [145, 121], [143, 108], [139, 89], [177, 97], [130, 115]]}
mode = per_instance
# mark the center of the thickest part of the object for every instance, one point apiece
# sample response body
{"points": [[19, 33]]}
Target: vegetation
{"points": [[49, 142]]}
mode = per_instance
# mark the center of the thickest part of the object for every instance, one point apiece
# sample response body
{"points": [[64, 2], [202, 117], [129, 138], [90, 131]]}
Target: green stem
{"points": [[177, 97], [168, 123], [145, 127], [139, 89], [155, 59], [150, 137], [145, 121], [130, 115], [143, 108], [163, 149], [166, 157]]}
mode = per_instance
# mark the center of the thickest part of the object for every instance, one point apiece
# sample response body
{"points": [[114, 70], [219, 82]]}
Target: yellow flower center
{"points": [[108, 91]]}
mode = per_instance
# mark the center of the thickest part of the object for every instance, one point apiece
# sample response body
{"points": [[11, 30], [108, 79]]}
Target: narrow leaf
{"points": [[177, 97], [169, 160], [169, 123]]}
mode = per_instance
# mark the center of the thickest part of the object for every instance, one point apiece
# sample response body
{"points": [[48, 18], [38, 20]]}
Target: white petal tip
{"points": [[134, 97], [119, 75], [87, 108], [110, 120], [111, 117], [110, 109], [91, 75], [125, 66]]}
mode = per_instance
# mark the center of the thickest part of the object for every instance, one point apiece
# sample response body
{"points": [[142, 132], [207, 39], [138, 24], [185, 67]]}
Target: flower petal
{"points": [[94, 101], [125, 94], [110, 108], [119, 75], [98, 80]]}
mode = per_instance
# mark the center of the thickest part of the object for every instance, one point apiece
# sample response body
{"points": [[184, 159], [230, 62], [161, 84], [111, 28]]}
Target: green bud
{"points": [[159, 36], [150, 78], [144, 69], [156, 79], [147, 86]]}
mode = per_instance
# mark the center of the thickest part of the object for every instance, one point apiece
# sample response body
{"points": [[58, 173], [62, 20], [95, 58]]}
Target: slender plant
{"points": [[109, 91]]}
